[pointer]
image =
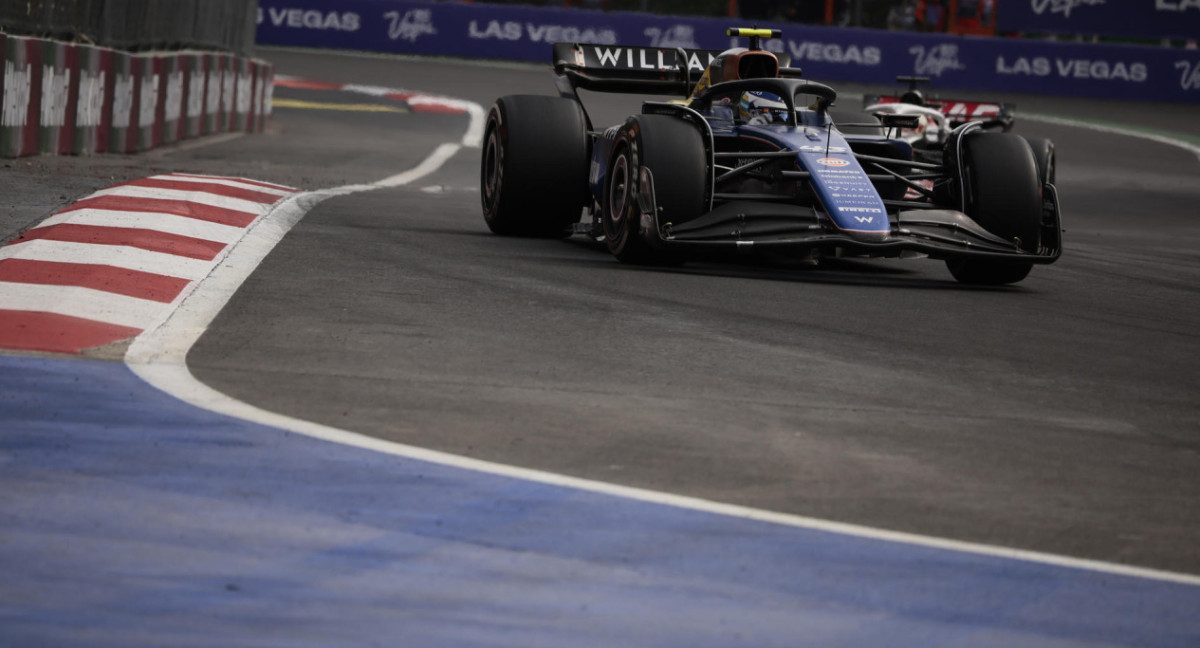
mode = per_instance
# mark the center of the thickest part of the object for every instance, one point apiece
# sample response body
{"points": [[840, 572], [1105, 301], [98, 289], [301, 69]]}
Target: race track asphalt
{"points": [[1055, 416], [1058, 415]]}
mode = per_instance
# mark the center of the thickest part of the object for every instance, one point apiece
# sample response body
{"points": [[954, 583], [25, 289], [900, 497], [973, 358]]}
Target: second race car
{"points": [[938, 116]]}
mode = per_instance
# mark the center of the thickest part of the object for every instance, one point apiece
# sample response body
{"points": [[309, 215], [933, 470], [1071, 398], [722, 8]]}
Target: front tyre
{"points": [[1043, 152], [533, 170], [673, 152], [1003, 195]]}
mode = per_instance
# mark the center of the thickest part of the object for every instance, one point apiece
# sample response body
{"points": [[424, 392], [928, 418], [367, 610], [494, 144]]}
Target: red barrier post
{"points": [[242, 95], [20, 98], [196, 79], [170, 98], [57, 76], [123, 127], [150, 85]]}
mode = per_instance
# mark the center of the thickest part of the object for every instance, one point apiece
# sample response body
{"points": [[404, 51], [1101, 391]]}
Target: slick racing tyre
{"points": [[1043, 152], [1003, 195], [673, 152], [533, 171]]}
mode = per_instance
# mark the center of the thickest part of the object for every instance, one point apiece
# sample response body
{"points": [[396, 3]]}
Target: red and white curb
{"points": [[115, 263], [416, 101]]}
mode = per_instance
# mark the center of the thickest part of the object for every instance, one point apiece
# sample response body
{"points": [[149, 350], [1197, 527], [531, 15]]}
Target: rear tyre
{"points": [[533, 171], [674, 153], [1003, 195]]}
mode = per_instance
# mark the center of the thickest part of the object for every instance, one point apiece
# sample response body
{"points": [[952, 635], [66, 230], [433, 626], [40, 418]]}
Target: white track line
{"points": [[118, 256], [1116, 130], [373, 91], [158, 357], [161, 349], [475, 113]]}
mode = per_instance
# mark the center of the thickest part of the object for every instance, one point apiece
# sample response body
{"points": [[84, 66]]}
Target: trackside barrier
{"points": [[523, 33], [18, 118], [136, 25], [63, 98]]}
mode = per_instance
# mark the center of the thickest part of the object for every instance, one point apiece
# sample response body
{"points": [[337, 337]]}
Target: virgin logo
{"points": [[1189, 78], [1063, 7], [936, 59], [411, 26]]}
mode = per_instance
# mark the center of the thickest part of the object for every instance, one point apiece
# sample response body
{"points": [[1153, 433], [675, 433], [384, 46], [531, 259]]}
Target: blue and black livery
{"points": [[709, 170]]}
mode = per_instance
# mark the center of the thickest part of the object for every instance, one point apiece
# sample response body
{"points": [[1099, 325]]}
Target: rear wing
{"points": [[619, 61], [956, 111], [959, 111], [643, 70]]}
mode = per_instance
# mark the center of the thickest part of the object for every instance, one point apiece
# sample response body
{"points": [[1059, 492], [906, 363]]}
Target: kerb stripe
{"points": [[157, 221], [118, 256], [108, 266], [185, 208], [191, 195], [148, 240], [74, 301], [207, 187], [122, 281], [230, 182], [54, 333]]}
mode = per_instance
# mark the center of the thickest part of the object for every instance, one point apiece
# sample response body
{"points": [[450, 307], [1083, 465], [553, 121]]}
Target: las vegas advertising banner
{"points": [[1152, 19], [525, 33]]}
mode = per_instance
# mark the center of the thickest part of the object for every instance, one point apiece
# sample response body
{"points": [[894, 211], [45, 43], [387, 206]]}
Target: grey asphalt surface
{"points": [[1059, 415]]}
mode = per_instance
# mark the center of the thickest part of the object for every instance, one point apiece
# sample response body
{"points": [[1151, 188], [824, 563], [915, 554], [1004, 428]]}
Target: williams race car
{"points": [[753, 159]]}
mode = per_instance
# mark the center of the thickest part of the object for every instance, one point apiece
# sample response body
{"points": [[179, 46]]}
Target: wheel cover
{"points": [[618, 191], [492, 169]]}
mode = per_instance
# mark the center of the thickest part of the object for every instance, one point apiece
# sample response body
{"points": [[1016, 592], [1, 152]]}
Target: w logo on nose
{"points": [[864, 219]]}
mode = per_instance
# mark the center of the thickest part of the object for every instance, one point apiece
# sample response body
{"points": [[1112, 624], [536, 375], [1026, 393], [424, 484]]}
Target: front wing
{"points": [[937, 233]]}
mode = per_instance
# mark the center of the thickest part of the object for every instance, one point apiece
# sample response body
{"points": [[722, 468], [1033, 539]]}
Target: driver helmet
{"points": [[758, 107], [914, 96]]}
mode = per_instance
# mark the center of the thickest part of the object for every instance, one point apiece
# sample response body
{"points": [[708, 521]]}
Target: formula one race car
{"points": [[951, 112], [937, 117], [745, 163]]}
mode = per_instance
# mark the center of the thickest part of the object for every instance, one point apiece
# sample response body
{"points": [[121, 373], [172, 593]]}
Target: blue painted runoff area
{"points": [[128, 519]]}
